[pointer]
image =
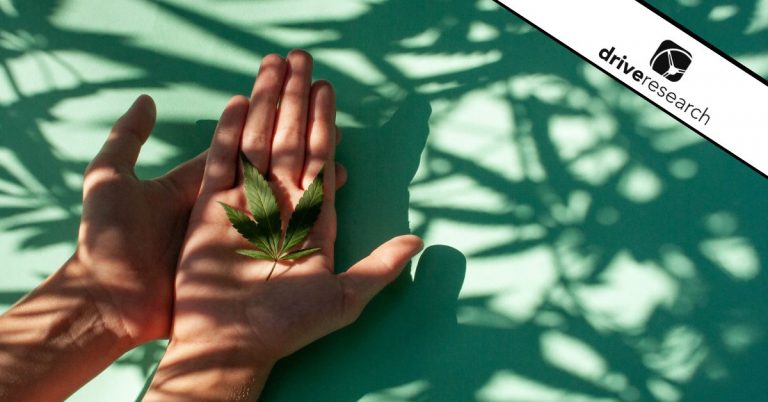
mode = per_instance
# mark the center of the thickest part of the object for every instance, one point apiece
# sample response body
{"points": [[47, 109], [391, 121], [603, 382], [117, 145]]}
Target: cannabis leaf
{"points": [[264, 231]]}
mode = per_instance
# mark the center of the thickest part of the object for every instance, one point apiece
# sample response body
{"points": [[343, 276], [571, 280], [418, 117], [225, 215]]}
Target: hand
{"points": [[131, 230], [227, 317], [115, 292]]}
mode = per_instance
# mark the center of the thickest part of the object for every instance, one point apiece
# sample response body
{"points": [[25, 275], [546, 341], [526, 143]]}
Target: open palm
{"points": [[131, 230], [287, 130]]}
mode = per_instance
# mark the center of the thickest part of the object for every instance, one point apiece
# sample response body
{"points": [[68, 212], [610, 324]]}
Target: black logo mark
{"points": [[671, 60]]}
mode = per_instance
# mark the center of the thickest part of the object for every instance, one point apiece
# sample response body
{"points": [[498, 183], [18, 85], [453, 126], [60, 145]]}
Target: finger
{"points": [[288, 144], [324, 233], [320, 155], [341, 176], [257, 135], [371, 274], [129, 133], [187, 177], [221, 164], [321, 130]]}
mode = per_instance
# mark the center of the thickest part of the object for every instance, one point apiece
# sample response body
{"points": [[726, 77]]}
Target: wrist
{"points": [[77, 276], [215, 371], [135, 303], [51, 330]]}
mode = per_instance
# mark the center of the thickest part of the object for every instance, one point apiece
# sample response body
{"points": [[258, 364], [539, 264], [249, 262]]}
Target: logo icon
{"points": [[671, 60]]}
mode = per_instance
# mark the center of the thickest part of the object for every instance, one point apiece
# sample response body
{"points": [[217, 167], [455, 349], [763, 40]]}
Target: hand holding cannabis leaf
{"points": [[231, 324], [264, 232]]}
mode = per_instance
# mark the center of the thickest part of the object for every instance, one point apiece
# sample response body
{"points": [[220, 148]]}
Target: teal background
{"points": [[584, 245]]}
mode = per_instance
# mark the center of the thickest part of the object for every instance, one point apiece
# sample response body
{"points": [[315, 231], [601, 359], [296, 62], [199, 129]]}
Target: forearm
{"points": [[55, 339], [208, 372]]}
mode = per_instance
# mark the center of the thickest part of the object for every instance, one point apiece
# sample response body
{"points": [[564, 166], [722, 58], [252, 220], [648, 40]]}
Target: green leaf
{"points": [[254, 254], [301, 253], [263, 206], [264, 230], [244, 225], [305, 214]]}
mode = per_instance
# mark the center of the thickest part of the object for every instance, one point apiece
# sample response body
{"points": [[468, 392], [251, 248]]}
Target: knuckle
{"points": [[266, 97], [128, 131], [295, 92], [100, 174], [289, 134], [350, 305], [321, 147]]}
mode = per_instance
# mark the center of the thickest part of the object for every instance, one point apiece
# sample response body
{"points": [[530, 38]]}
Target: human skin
{"points": [[231, 324], [115, 292]]}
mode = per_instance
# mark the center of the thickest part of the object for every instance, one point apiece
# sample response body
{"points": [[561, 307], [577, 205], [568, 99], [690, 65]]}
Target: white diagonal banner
{"points": [[665, 65]]}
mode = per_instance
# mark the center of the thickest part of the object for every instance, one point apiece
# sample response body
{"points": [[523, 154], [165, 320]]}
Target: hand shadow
{"points": [[399, 337]]}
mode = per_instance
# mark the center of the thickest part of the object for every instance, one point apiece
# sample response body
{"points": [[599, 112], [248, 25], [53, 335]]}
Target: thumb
{"points": [[128, 135], [371, 274]]}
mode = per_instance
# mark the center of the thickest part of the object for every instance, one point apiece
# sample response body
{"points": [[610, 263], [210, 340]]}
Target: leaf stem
{"points": [[271, 271]]}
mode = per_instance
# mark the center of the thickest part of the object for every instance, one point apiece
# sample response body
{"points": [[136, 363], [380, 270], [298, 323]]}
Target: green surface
{"points": [[597, 250]]}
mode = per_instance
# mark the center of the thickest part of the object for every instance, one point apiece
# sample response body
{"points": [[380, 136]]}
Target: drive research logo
{"points": [[668, 63], [671, 60]]}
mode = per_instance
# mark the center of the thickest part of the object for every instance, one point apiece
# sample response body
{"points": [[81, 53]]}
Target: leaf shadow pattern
{"points": [[688, 217]]}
